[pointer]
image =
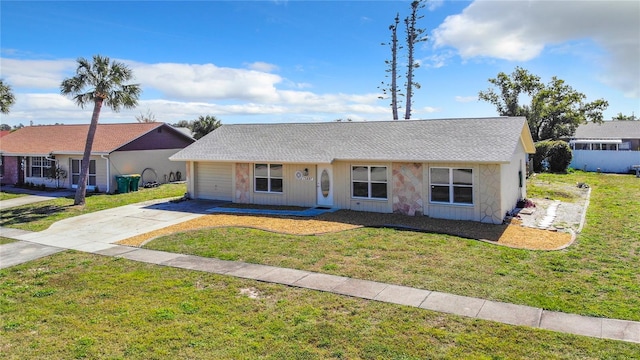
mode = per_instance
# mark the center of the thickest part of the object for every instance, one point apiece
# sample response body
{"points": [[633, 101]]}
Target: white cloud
{"points": [[465, 99], [262, 66], [35, 74], [206, 81], [520, 30]]}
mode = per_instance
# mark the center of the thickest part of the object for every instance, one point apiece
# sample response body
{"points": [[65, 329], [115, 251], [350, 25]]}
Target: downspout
{"points": [[108, 173]]}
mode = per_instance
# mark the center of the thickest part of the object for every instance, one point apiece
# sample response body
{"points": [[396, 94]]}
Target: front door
{"points": [[324, 184]]}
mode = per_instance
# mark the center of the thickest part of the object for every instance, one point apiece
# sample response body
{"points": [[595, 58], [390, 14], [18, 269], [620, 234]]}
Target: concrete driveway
{"points": [[100, 230]]}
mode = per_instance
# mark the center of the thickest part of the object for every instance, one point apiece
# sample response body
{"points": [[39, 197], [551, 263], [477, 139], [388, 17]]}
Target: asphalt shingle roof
{"points": [[454, 140], [609, 130], [42, 140]]}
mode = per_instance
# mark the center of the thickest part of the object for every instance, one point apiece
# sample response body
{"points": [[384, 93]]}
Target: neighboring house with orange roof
{"points": [[29, 154]]}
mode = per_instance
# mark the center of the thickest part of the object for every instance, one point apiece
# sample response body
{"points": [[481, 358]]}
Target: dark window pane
{"points": [[440, 193], [36, 172], [379, 190], [75, 166], [75, 179], [276, 185], [439, 176], [360, 189], [262, 184], [92, 167], [378, 174], [462, 176], [360, 173], [463, 195], [92, 180]]}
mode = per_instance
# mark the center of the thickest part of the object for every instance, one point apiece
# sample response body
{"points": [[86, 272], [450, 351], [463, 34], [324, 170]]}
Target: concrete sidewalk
{"points": [[97, 232]]}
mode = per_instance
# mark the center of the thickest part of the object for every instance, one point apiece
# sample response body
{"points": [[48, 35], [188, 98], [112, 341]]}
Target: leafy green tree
{"points": [[555, 109], [204, 125], [5, 127], [7, 99], [510, 88], [100, 82], [183, 124], [622, 117]]}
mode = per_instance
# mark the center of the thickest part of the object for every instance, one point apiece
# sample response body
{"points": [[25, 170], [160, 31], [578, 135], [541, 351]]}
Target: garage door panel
{"points": [[213, 181]]}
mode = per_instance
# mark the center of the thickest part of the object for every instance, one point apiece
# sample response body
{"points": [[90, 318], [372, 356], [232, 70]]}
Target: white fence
{"points": [[605, 160]]}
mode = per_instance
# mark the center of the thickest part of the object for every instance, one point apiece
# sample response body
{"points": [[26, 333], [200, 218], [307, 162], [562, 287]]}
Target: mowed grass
{"points": [[599, 275], [80, 306], [39, 216], [7, 196], [4, 240]]}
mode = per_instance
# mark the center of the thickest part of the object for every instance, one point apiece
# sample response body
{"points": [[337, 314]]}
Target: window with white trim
{"points": [[76, 166], [267, 178], [39, 166], [451, 185], [369, 182]]}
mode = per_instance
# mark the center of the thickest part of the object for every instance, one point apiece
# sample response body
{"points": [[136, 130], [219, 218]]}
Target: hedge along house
{"points": [[29, 154], [464, 169]]}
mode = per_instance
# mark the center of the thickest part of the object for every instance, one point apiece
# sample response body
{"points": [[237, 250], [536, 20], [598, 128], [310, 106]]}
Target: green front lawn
{"points": [[597, 276], [39, 216], [80, 306], [7, 196]]}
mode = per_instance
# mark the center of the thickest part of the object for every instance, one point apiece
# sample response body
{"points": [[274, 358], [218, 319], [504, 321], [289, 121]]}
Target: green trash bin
{"points": [[123, 184], [134, 182]]}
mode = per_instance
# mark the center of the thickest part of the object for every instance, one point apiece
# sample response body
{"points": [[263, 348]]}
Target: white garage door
{"points": [[213, 181]]}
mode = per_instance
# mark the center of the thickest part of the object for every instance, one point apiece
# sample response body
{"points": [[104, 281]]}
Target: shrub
{"points": [[559, 157], [557, 153], [542, 148]]}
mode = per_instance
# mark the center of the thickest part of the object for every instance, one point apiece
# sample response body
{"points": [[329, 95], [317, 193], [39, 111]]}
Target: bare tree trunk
{"points": [[410, 22], [394, 68], [86, 158]]}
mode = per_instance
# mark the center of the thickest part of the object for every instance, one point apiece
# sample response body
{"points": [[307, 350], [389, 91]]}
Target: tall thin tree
{"points": [[415, 35], [391, 88], [101, 82]]}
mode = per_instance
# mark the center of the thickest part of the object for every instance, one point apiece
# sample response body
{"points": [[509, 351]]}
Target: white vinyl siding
{"points": [[213, 181]]}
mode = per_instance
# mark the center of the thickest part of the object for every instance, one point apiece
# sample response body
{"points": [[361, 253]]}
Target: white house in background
{"points": [[464, 169], [612, 147]]}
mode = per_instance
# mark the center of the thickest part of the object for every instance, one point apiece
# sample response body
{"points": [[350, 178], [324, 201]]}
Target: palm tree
{"points": [[102, 83], [6, 97], [204, 125]]}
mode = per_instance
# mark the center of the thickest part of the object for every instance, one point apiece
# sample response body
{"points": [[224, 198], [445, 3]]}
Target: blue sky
{"points": [[302, 61]]}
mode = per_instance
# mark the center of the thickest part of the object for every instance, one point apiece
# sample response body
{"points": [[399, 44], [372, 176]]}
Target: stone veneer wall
{"points": [[407, 188], [243, 184], [489, 189]]}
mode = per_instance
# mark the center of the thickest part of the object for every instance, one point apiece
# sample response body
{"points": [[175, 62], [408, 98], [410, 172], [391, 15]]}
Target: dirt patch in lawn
{"points": [[520, 231], [512, 234]]}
